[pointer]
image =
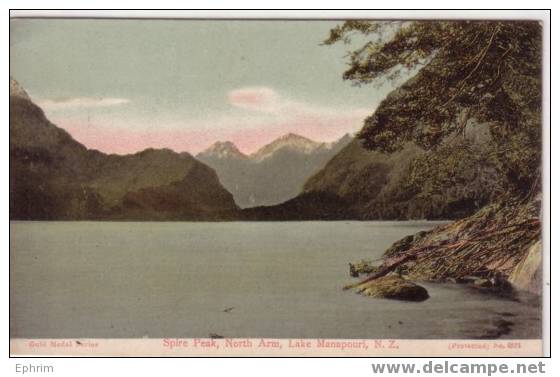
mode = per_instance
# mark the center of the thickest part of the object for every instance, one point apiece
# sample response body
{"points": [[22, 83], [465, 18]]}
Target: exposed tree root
{"points": [[488, 244]]}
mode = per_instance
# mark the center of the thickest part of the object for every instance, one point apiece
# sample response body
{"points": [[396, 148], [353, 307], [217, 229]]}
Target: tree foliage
{"points": [[482, 71]]}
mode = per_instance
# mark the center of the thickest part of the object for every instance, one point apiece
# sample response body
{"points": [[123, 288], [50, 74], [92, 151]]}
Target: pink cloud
{"points": [[260, 99]]}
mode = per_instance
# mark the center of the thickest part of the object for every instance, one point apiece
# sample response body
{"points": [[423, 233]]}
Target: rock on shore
{"points": [[393, 287], [527, 275]]}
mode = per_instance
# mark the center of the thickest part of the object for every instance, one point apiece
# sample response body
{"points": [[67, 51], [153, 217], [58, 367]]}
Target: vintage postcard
{"points": [[276, 187]]}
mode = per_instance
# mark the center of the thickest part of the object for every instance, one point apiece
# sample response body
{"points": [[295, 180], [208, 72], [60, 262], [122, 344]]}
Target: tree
{"points": [[478, 71]]}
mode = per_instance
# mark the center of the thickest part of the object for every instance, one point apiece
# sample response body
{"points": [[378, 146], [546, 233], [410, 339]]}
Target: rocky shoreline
{"points": [[498, 249]]}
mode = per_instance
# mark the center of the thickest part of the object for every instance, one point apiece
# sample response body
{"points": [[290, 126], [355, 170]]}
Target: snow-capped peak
{"points": [[290, 141], [222, 149]]}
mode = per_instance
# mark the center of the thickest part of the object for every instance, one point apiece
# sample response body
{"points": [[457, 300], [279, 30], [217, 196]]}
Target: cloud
{"points": [[80, 102], [259, 99], [269, 101]]}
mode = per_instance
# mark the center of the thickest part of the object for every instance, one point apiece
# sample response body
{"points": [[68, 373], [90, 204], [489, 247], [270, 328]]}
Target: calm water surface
{"points": [[165, 279]]}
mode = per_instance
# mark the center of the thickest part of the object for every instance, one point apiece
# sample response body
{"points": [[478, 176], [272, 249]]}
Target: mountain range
{"points": [[273, 174], [54, 177]]}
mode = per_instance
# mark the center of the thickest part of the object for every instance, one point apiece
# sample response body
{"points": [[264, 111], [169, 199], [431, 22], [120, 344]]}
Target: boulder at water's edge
{"points": [[393, 287], [527, 275]]}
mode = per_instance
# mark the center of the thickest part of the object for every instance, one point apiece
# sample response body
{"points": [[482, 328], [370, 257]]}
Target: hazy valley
{"points": [[275, 173]]}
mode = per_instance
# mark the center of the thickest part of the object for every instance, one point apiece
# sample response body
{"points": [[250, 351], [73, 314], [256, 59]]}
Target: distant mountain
{"points": [[273, 174], [53, 177], [289, 142], [222, 150]]}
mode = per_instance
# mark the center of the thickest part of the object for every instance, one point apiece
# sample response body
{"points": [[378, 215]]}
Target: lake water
{"points": [[283, 280]]}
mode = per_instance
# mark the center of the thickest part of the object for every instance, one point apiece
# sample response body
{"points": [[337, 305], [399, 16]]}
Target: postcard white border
{"points": [[422, 14]]}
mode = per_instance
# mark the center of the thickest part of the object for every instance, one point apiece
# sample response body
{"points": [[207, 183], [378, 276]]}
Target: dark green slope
{"points": [[53, 177], [391, 186]]}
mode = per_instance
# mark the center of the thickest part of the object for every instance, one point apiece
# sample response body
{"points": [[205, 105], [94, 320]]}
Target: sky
{"points": [[121, 86]]}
